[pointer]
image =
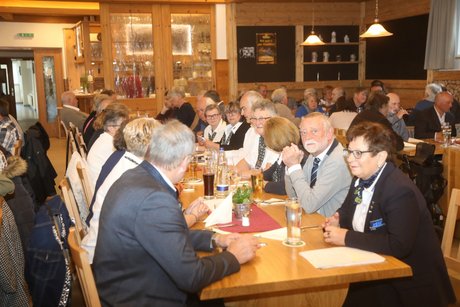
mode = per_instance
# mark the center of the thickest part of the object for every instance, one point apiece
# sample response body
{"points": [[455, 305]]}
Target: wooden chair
{"points": [[17, 148], [452, 261], [83, 269], [72, 208], [85, 183], [81, 145]]}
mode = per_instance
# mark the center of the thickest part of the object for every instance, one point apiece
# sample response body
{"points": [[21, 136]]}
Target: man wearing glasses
{"points": [[255, 154], [323, 183]]}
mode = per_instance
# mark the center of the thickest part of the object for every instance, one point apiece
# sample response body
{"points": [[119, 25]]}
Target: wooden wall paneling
{"points": [[395, 9], [162, 51], [106, 46], [299, 67], [222, 79], [232, 51], [446, 75], [299, 13], [73, 75]]}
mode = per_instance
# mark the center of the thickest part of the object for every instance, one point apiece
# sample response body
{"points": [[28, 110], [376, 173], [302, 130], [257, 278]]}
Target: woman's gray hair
{"points": [[265, 104], [170, 144]]}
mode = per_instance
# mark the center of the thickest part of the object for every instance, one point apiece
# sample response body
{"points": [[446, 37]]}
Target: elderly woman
{"points": [[100, 102], [235, 131], [384, 212], [109, 121], [309, 105], [376, 111], [279, 132]]}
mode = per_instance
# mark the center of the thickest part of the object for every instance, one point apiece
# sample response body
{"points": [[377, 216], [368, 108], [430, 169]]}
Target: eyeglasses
{"points": [[260, 119], [212, 116], [356, 153]]}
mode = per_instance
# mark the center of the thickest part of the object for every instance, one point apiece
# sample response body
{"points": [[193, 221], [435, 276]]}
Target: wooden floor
{"points": [[57, 156]]}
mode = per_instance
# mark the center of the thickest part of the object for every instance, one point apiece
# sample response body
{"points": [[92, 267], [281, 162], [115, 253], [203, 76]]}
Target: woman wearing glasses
{"points": [[216, 126], [384, 212]]}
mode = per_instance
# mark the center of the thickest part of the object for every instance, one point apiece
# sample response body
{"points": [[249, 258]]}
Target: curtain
{"points": [[442, 35]]}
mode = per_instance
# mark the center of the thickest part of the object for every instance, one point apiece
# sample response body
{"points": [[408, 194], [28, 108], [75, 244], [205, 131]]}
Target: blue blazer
{"points": [[399, 224], [145, 253]]}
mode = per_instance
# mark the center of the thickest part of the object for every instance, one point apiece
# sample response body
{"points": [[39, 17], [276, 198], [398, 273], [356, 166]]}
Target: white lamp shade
{"points": [[376, 30], [312, 40]]}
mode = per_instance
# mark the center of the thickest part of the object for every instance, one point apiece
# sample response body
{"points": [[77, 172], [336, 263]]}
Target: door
{"points": [[7, 84], [50, 85]]}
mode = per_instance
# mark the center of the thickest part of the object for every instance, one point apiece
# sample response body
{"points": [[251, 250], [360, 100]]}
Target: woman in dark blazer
{"points": [[384, 212]]}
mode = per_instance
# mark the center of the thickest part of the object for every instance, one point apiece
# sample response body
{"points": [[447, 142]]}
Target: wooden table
{"points": [[439, 150], [279, 276]]}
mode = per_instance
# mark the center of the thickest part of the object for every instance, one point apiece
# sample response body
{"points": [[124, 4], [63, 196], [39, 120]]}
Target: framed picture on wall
{"points": [[266, 48]]}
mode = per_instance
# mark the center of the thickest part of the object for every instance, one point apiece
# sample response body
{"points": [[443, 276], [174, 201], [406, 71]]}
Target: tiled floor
{"points": [[57, 156]]}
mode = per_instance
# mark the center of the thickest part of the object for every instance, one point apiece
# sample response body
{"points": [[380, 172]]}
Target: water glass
{"points": [[446, 134], [293, 222]]}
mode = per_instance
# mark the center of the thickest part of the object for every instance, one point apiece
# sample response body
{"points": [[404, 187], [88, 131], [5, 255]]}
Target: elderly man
{"points": [[70, 111], [8, 132], [255, 154], [280, 99], [323, 183], [184, 110], [263, 90], [431, 90], [395, 116], [428, 122], [145, 253]]}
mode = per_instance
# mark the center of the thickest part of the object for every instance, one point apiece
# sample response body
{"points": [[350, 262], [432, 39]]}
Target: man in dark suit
{"points": [[429, 121], [145, 253]]}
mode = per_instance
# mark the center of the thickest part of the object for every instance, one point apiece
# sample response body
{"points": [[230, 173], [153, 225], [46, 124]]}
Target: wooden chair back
{"points": [[83, 269], [17, 148], [72, 208], [81, 145], [452, 261], [85, 183]]}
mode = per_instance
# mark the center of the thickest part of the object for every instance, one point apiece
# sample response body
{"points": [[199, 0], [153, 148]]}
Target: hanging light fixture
{"points": [[312, 39], [376, 29]]}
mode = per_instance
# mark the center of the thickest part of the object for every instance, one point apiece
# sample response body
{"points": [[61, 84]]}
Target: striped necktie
{"points": [[314, 172], [261, 153], [211, 136]]}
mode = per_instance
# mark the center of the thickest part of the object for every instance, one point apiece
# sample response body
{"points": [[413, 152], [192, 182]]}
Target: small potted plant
{"points": [[242, 199]]}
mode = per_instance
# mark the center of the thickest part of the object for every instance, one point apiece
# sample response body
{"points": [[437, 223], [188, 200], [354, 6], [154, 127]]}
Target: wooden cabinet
{"points": [[335, 60]]}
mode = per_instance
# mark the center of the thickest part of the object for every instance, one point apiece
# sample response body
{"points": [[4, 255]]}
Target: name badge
{"points": [[376, 224]]}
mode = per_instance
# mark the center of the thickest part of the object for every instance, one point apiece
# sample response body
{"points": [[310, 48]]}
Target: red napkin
{"points": [[259, 221]]}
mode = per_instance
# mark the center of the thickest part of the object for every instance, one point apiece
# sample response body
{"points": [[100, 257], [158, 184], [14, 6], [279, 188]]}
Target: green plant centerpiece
{"points": [[242, 195]]}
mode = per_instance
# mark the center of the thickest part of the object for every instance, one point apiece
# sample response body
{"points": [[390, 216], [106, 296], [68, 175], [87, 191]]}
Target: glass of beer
{"points": [[192, 168], [294, 223], [208, 180], [257, 180]]}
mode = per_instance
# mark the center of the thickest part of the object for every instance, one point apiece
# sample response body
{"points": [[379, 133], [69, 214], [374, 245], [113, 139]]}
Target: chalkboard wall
{"points": [[400, 56], [284, 68]]}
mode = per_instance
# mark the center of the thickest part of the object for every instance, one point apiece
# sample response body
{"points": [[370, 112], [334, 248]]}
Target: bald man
{"points": [[395, 116]]}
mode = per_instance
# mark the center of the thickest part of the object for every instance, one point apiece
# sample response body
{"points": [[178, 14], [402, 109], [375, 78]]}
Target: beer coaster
{"points": [[300, 244]]}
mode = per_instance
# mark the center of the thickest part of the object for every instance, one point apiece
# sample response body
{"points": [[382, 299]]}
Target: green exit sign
{"points": [[25, 35]]}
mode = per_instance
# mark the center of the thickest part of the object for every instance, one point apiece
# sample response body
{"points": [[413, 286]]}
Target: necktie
{"points": [[227, 138], [211, 136], [261, 153], [363, 183], [314, 172]]}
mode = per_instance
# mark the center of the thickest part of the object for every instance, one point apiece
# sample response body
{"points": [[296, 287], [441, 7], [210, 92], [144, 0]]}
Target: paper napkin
{"points": [[222, 214]]}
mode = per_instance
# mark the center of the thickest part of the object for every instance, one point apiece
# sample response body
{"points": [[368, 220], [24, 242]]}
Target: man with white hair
{"points": [[280, 99], [431, 90], [395, 116], [70, 111], [184, 110], [145, 253], [323, 183]]}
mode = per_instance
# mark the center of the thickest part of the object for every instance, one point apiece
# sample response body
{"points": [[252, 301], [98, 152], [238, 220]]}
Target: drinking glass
{"points": [[446, 134], [294, 223], [208, 179], [257, 180]]}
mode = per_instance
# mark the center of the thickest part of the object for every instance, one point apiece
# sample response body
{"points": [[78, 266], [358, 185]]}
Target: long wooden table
{"points": [[279, 276]]}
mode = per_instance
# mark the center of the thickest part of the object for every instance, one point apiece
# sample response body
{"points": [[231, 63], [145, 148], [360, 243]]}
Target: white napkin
{"points": [[339, 257], [409, 145], [279, 234], [222, 214], [415, 141]]}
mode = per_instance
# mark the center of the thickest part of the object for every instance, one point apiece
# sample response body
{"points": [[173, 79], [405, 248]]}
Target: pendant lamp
{"points": [[376, 29], [312, 39]]}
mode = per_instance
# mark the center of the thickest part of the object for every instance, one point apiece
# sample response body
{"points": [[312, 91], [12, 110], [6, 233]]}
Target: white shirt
{"points": [[126, 162], [220, 129], [71, 107], [251, 150], [359, 218], [98, 154], [321, 156]]}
